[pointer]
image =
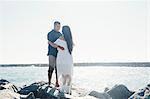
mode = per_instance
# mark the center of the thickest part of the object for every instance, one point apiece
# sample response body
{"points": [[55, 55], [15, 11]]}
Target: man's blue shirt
{"points": [[52, 36]]}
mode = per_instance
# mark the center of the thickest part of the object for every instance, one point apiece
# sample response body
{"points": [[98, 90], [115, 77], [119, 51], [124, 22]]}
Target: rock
{"points": [[31, 88], [29, 96], [36, 90], [43, 91], [117, 92], [142, 93], [120, 92], [9, 94], [10, 91], [100, 95], [106, 89], [4, 84]]}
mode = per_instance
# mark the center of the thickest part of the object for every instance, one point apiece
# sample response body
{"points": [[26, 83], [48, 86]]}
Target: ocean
{"points": [[88, 77]]}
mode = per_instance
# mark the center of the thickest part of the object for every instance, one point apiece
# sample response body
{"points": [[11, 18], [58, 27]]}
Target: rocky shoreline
{"points": [[41, 90]]}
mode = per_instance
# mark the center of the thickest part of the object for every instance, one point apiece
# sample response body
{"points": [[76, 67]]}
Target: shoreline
{"points": [[107, 64]]}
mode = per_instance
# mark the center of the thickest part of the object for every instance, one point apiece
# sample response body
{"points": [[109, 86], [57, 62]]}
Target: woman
{"points": [[64, 61]]}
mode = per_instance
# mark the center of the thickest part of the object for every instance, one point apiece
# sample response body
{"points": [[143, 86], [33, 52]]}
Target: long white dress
{"points": [[64, 60]]}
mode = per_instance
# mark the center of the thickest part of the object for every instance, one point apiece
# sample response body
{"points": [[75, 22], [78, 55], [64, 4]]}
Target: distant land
{"points": [[107, 64]]}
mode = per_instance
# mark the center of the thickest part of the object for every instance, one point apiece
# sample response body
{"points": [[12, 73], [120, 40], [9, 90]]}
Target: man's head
{"points": [[57, 26]]}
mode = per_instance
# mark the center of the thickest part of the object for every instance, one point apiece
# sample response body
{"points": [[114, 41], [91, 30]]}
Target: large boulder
{"points": [[43, 91], [120, 92], [117, 92]]}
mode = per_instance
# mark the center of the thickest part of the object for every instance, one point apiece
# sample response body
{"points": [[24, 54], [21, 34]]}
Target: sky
{"points": [[103, 31]]}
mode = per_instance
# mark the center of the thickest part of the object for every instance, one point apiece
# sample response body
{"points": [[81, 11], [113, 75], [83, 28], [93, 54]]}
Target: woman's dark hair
{"points": [[68, 37]]}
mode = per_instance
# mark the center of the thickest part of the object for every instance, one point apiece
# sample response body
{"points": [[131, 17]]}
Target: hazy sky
{"points": [[103, 31]]}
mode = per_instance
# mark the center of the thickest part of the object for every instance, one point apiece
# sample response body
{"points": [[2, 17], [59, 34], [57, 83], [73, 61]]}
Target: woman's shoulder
{"points": [[60, 39]]}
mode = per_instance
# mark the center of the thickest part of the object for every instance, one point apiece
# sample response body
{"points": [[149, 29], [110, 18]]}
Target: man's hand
{"points": [[62, 48]]}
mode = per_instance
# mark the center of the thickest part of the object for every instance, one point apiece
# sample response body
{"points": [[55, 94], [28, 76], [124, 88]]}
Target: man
{"points": [[52, 51]]}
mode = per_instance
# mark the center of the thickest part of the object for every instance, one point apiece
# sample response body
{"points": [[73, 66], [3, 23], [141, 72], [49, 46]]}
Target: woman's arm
{"points": [[55, 45]]}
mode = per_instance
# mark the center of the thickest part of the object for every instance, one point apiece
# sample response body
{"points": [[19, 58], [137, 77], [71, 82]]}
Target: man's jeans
{"points": [[52, 66]]}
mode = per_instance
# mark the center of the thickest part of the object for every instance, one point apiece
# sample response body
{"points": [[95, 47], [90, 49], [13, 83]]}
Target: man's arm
{"points": [[52, 44], [49, 38]]}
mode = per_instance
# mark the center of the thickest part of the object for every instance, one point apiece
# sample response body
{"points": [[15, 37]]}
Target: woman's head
{"points": [[68, 37]]}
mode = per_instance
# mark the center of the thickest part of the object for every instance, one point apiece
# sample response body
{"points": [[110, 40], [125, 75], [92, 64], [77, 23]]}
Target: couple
{"points": [[60, 48]]}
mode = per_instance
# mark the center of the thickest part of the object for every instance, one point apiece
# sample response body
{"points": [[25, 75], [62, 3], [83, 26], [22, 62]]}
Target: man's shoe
{"points": [[56, 85]]}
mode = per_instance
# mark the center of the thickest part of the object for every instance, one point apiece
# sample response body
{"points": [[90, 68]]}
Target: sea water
{"points": [[87, 77]]}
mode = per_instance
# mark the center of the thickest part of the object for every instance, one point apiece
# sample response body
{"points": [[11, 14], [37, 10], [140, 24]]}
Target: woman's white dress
{"points": [[64, 61]]}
